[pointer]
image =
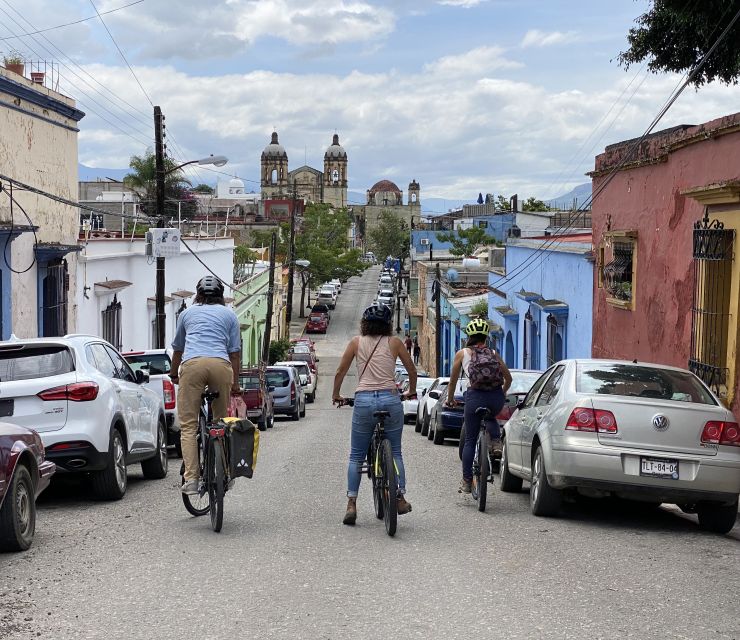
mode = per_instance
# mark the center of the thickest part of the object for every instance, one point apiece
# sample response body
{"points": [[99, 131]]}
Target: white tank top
{"points": [[381, 369]]}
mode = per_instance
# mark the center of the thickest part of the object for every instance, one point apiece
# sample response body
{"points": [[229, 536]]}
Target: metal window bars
{"points": [[55, 287], [112, 327], [617, 274]]}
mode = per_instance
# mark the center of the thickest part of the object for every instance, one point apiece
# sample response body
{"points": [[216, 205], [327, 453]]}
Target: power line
{"points": [[122, 54], [69, 24]]}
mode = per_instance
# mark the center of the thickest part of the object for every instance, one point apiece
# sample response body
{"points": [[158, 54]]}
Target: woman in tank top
{"points": [[375, 352]]}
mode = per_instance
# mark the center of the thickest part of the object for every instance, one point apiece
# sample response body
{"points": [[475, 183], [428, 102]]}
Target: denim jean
{"points": [[363, 425], [474, 399]]}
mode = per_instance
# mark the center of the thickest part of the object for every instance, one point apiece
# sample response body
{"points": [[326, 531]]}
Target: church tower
{"points": [[415, 203], [274, 178], [335, 174]]}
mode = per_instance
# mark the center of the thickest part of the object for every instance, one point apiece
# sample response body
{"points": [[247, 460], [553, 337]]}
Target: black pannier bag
{"points": [[244, 444]]}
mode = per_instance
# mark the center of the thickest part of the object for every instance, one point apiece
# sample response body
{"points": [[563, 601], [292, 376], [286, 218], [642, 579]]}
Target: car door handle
{"points": [[540, 415]]}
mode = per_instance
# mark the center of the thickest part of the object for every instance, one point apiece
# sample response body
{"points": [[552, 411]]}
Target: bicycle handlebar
{"points": [[350, 402]]}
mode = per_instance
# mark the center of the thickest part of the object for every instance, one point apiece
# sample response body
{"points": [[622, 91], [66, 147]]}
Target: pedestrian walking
{"points": [[409, 343], [417, 349]]}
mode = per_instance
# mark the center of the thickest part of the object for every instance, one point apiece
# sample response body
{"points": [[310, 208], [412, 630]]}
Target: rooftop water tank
{"points": [[470, 263]]}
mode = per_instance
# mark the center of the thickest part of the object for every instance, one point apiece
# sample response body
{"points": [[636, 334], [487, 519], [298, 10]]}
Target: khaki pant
{"points": [[195, 375]]}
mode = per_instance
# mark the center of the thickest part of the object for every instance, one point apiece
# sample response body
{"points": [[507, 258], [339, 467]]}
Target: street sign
{"points": [[165, 243]]}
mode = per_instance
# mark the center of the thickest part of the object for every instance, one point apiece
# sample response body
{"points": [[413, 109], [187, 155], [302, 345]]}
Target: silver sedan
{"points": [[637, 431]]}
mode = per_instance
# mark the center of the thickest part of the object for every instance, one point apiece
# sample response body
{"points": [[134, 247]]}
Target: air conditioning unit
{"points": [[424, 241]]}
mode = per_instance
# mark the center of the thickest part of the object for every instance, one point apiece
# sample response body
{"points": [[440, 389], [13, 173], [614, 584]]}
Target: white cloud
{"points": [[537, 38], [461, 3]]}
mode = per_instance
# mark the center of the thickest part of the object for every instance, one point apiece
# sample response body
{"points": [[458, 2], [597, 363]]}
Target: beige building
{"points": [[386, 196], [38, 147]]}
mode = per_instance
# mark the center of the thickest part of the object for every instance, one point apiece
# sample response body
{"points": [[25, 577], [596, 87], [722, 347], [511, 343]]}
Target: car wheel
{"points": [[417, 423], [271, 421], [461, 444], [303, 413], [430, 429], [296, 415], [425, 425], [18, 514], [155, 468], [439, 436], [311, 397], [178, 444], [543, 499], [509, 483], [717, 518], [111, 482]]}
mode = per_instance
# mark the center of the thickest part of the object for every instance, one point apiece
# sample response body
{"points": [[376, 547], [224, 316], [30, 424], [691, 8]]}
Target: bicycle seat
{"points": [[381, 414], [483, 412], [210, 396]]}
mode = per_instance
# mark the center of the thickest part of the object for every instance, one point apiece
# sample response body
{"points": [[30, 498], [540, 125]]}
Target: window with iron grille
{"points": [[710, 309], [554, 340], [618, 274], [55, 286], [112, 330]]}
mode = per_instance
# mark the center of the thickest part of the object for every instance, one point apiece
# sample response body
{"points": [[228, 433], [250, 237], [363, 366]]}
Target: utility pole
{"points": [[270, 298], [291, 259], [438, 319], [160, 318]]}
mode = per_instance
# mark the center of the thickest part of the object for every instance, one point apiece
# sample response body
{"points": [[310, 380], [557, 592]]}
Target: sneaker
{"points": [[351, 516], [402, 506], [465, 486], [190, 488]]}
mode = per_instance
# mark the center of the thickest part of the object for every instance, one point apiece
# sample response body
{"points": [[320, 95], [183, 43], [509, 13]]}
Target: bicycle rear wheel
{"points": [[216, 483], [390, 487], [483, 470], [376, 476], [199, 504]]}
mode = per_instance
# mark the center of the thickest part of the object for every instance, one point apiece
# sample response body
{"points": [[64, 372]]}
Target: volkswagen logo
{"points": [[660, 423]]}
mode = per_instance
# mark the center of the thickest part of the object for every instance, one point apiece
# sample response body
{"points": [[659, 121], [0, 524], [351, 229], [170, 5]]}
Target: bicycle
{"points": [[382, 471], [482, 460], [213, 454]]}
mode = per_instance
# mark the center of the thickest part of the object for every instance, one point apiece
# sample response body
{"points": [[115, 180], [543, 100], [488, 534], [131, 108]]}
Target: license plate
{"points": [[659, 468], [6, 408]]}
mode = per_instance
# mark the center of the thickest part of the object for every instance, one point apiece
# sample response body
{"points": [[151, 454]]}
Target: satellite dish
{"points": [[452, 275]]}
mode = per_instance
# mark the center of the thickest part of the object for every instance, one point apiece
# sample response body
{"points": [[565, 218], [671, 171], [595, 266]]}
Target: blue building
{"points": [[542, 311], [496, 226]]}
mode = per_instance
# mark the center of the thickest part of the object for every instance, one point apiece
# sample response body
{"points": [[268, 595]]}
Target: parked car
{"points": [[304, 356], [256, 395], [638, 431], [94, 415], [337, 284], [389, 301], [309, 380], [327, 297], [24, 474], [521, 382], [410, 406], [288, 396], [317, 323], [427, 400], [444, 421], [321, 308], [157, 363]]}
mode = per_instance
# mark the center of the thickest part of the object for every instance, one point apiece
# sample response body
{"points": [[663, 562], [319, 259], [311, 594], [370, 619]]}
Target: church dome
{"points": [[274, 149], [336, 150], [385, 186]]}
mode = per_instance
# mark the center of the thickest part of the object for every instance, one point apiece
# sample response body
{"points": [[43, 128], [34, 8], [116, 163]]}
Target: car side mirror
{"points": [[270, 389], [520, 404], [142, 377], [434, 394]]}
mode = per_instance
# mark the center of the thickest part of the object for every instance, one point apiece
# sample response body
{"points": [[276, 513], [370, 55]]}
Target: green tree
{"points": [[466, 241], [278, 350], [243, 257], [204, 188], [502, 203], [533, 204], [264, 238], [480, 309], [142, 180], [390, 237], [674, 35]]}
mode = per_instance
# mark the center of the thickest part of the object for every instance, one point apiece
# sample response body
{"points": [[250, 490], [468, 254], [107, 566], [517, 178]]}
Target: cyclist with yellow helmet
{"points": [[488, 381]]}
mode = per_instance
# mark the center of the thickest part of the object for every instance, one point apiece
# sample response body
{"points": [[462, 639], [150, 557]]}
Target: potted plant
{"points": [[14, 62]]}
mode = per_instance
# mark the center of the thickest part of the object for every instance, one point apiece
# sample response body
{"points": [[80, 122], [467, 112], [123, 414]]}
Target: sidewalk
{"points": [[297, 324]]}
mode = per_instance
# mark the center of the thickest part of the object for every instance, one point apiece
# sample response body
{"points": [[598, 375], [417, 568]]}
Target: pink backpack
{"points": [[484, 369]]}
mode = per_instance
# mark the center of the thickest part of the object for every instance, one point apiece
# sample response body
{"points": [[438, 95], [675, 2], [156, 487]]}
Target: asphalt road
{"points": [[285, 567]]}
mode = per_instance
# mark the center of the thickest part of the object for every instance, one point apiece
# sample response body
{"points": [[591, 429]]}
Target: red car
{"points": [[317, 323], [24, 474], [257, 397]]}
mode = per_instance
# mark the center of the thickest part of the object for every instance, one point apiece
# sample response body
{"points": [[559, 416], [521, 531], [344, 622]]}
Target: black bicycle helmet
{"points": [[378, 312], [210, 286]]}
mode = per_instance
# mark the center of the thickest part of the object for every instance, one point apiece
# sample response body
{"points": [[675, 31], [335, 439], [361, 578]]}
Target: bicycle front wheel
{"points": [[199, 504], [216, 483], [375, 472], [484, 469], [390, 488]]}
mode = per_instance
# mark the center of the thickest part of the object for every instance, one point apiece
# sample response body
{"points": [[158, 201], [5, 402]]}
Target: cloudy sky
{"points": [[465, 96]]}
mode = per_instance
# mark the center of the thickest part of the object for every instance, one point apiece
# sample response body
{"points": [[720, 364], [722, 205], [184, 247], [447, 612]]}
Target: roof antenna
{"points": [[634, 361]]}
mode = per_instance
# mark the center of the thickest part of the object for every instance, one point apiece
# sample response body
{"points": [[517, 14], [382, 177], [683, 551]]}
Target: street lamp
{"points": [[218, 161], [401, 301]]}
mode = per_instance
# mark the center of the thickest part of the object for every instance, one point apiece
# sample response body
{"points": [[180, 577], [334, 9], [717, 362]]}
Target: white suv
{"points": [[304, 373], [92, 412]]}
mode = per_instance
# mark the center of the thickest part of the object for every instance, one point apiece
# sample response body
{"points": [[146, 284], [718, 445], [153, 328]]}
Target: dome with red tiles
{"points": [[385, 186]]}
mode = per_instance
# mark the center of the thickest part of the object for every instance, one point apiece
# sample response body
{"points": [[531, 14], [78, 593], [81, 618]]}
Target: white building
{"points": [[117, 286]]}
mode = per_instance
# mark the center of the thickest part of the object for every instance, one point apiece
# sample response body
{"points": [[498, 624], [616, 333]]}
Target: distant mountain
{"points": [[579, 194], [91, 174]]}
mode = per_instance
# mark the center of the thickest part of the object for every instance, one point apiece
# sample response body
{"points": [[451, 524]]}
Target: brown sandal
{"points": [[351, 516], [402, 506]]}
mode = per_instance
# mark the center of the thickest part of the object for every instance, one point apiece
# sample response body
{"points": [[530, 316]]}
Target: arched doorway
{"points": [[509, 351]]}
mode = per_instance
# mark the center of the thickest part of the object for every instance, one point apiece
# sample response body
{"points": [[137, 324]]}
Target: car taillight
{"points": [[77, 392], [717, 432], [63, 446], [592, 420], [169, 394], [292, 391]]}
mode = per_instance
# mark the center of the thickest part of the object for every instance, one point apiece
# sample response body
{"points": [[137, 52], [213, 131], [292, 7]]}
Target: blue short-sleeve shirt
{"points": [[207, 331]]}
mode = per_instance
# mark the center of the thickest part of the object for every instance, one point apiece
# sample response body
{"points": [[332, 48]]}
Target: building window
{"points": [[710, 310], [112, 331], [554, 340], [618, 274], [482, 224], [55, 286]]}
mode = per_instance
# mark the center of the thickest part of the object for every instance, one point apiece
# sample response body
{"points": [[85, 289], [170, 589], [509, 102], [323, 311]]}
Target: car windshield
{"points": [[641, 382], [316, 318], [521, 382], [155, 364], [305, 357], [278, 378], [423, 383], [27, 362]]}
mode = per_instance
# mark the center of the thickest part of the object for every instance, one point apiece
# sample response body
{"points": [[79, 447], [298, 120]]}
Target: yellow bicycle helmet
{"points": [[479, 326]]}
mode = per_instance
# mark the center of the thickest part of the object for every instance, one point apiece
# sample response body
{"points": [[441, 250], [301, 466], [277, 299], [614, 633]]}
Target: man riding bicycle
{"points": [[208, 344], [488, 381]]}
